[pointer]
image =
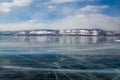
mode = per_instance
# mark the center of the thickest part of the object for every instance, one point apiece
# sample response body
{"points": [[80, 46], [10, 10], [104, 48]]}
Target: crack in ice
{"points": [[20, 68]]}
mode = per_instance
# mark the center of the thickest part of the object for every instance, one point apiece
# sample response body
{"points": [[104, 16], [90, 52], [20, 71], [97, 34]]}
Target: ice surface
{"points": [[59, 58]]}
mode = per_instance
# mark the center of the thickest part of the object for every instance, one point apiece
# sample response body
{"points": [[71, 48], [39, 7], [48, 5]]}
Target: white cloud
{"points": [[88, 21], [62, 1], [52, 7], [92, 8], [65, 1], [8, 6], [77, 21], [28, 25]]}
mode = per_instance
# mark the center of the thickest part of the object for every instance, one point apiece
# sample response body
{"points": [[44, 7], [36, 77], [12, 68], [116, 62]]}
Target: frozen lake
{"points": [[59, 58]]}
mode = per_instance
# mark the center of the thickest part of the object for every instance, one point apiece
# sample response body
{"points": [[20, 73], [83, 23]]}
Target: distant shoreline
{"points": [[66, 32]]}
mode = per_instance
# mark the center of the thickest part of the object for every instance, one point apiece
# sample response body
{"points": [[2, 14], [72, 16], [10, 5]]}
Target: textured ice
{"points": [[59, 58]]}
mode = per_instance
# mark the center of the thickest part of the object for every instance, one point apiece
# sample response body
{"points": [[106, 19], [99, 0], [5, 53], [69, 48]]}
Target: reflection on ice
{"points": [[58, 45], [57, 39]]}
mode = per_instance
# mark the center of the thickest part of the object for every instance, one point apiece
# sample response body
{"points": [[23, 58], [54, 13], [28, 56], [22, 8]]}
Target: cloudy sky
{"points": [[59, 14]]}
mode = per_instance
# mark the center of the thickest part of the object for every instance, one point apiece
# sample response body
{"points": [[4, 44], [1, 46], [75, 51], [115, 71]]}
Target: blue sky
{"points": [[59, 14]]}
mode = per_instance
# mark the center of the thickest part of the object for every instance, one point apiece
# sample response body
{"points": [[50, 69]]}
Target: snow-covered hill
{"points": [[73, 32]]}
